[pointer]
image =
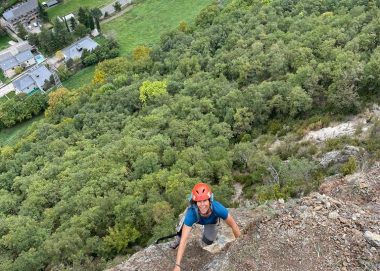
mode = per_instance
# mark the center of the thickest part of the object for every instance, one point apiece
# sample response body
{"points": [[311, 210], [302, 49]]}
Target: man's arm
{"points": [[235, 228], [182, 245]]}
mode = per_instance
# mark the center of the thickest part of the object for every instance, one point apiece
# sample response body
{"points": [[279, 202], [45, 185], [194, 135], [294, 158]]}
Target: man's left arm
{"points": [[235, 228]]}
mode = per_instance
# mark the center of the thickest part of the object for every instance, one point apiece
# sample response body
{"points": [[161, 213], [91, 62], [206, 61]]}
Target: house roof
{"points": [[25, 83], [8, 61], [34, 78], [51, 3], [40, 75], [24, 56], [20, 9], [5, 56], [75, 50], [23, 46]]}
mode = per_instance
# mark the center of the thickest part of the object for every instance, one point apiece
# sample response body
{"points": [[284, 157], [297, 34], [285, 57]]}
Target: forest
{"points": [[110, 167]]}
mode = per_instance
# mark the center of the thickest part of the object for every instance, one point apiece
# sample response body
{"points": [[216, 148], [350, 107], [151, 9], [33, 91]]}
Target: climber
{"points": [[206, 211]]}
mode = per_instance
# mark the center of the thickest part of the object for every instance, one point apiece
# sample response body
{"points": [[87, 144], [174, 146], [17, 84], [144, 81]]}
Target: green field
{"points": [[72, 6], [4, 42], [149, 19], [80, 78], [11, 135]]}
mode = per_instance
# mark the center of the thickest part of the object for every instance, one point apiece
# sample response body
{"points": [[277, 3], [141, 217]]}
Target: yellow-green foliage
{"points": [[349, 167], [141, 53], [119, 237], [99, 77], [152, 89]]}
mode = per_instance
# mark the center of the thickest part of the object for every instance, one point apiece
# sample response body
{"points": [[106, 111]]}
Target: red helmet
{"points": [[201, 191]]}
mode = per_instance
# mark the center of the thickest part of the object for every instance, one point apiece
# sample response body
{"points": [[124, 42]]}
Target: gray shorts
{"points": [[209, 233]]}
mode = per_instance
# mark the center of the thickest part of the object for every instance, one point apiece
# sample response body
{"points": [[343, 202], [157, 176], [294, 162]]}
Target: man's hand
{"points": [[235, 228]]}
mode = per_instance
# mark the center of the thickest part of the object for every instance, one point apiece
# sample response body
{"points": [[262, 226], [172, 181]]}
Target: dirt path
{"points": [[117, 14]]}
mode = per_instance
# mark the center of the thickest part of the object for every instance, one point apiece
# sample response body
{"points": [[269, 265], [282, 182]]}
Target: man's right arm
{"points": [[182, 246]]}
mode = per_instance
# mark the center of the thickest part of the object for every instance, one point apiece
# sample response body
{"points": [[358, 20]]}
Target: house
{"points": [[75, 50], [18, 55], [34, 79], [23, 13], [49, 3]]}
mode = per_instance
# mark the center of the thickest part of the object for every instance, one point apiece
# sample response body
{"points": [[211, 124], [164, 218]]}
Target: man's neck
{"points": [[206, 214]]}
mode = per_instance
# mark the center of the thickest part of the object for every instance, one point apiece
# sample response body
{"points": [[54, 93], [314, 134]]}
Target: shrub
{"points": [[349, 167]]}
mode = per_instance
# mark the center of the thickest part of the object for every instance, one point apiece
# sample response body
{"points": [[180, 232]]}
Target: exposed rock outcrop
{"points": [[339, 157]]}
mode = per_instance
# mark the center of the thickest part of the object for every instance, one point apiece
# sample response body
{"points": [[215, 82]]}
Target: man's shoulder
{"points": [[219, 208], [217, 204]]}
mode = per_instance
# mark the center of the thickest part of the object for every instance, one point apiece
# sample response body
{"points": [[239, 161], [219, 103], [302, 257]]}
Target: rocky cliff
{"points": [[335, 229]]}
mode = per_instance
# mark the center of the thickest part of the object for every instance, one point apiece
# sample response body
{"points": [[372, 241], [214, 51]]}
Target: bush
{"points": [[339, 143], [349, 167], [63, 72], [372, 144]]}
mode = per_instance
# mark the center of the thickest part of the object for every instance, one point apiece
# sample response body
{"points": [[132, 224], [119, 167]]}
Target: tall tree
{"points": [[22, 31], [73, 23]]}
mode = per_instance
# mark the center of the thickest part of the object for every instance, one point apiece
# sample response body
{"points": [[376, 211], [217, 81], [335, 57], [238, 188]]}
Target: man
{"points": [[205, 211]]}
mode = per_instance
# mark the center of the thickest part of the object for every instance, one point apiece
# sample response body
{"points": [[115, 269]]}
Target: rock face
{"points": [[335, 229], [364, 121], [339, 157]]}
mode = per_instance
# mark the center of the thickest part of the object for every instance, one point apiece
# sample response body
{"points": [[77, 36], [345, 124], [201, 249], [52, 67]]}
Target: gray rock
{"points": [[333, 215], [342, 156], [372, 238]]}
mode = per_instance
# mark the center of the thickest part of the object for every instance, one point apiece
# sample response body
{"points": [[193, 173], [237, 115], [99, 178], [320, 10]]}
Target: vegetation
{"points": [[80, 78], [109, 49], [148, 20], [10, 136], [21, 107], [113, 162], [49, 41], [70, 6], [4, 41]]}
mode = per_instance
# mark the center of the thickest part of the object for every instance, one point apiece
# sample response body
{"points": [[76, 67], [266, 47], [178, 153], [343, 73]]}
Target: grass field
{"points": [[11, 135], [70, 6], [4, 42], [149, 19], [80, 78]]}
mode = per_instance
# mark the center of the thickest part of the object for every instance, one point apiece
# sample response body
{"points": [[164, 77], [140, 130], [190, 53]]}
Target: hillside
{"points": [[336, 229], [229, 99]]}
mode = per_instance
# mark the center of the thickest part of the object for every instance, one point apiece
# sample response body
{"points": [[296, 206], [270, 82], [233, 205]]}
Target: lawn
{"points": [[70, 6], [11, 135], [4, 41], [149, 19], [80, 78]]}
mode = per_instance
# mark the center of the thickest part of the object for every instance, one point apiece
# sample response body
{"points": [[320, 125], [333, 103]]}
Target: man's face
{"points": [[203, 206]]}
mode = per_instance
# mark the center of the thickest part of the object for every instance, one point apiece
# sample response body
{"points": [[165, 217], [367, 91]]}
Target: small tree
{"points": [[18, 70], [43, 14], [33, 39], [99, 77], [152, 89], [22, 31], [117, 6], [81, 30], [59, 55], [73, 23]]}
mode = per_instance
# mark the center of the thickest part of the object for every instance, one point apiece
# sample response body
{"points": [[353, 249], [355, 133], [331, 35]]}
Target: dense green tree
{"points": [[22, 31]]}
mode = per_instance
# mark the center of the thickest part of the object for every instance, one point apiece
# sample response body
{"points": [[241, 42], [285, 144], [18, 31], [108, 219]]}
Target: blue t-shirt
{"points": [[218, 211]]}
